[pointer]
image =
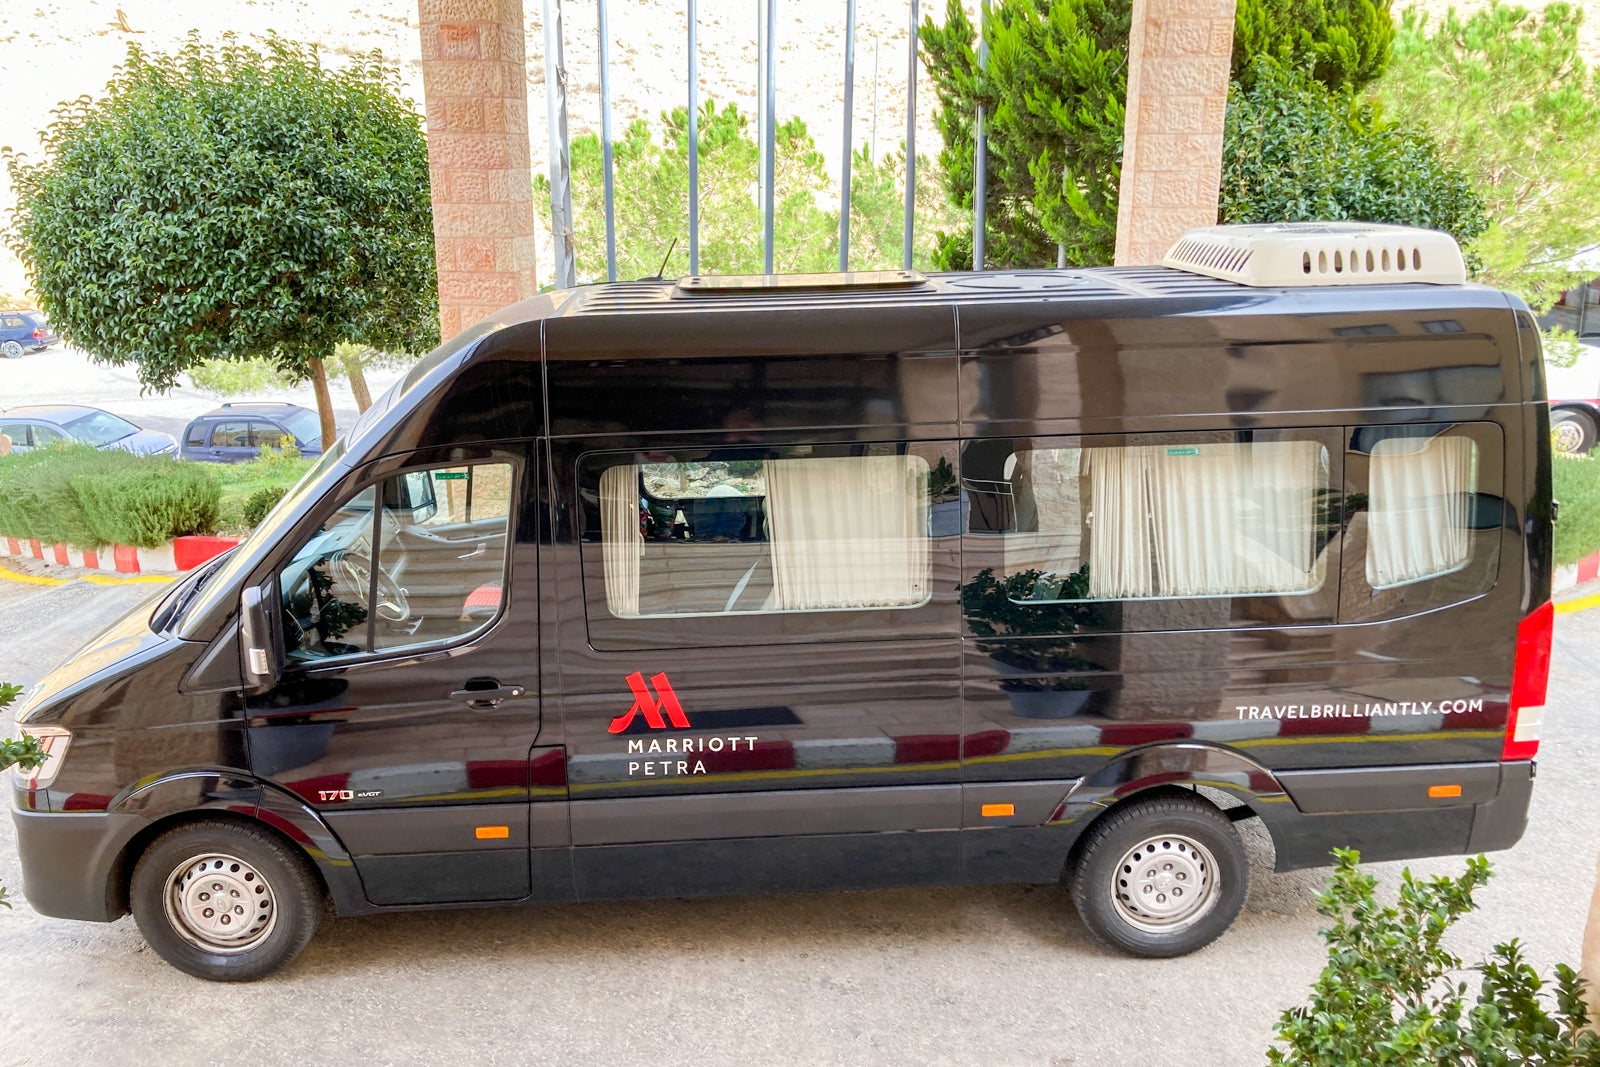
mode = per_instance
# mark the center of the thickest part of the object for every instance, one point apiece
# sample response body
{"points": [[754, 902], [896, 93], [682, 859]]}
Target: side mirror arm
{"points": [[260, 653]]}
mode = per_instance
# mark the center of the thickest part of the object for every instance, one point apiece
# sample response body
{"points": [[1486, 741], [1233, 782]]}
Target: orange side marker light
{"points": [[1444, 790], [487, 833], [995, 811]]}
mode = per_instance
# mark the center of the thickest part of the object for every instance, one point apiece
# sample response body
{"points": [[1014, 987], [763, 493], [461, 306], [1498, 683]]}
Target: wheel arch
{"points": [[1234, 784], [194, 797]]}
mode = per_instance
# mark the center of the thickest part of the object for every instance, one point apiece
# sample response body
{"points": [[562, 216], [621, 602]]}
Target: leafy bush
{"points": [[258, 503], [1296, 151], [1562, 347], [273, 471], [1577, 486], [25, 753], [1387, 995], [90, 498]]}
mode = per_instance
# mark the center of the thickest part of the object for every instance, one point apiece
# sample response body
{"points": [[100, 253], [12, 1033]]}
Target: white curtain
{"points": [[1203, 520], [620, 541], [850, 532], [1119, 522], [1417, 522]]}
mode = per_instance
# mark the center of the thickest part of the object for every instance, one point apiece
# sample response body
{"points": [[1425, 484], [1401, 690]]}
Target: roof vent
{"points": [[1319, 253]]}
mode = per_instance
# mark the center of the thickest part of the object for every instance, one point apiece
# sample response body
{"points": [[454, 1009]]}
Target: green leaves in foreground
{"points": [[25, 753], [1389, 994]]}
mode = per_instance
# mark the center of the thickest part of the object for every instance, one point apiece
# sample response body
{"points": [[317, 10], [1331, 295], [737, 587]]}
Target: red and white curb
{"points": [[1575, 574], [175, 557]]}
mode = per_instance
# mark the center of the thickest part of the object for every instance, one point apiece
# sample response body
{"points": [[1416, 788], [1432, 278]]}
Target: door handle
{"points": [[475, 553], [487, 698]]}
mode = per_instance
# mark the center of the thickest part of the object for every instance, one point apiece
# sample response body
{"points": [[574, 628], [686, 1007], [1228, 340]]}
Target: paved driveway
{"points": [[987, 975]]}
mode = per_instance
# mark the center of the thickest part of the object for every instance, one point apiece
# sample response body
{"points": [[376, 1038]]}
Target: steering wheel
{"points": [[355, 570]]}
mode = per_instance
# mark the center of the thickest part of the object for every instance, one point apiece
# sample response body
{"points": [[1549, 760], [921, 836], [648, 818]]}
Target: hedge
{"points": [[1577, 487], [90, 498]]}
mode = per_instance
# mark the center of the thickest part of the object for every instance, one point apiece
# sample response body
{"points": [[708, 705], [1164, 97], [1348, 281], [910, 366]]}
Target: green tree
{"points": [[1055, 92], [1388, 996], [25, 753], [1344, 44], [225, 202], [1509, 99], [652, 200], [1295, 151]]}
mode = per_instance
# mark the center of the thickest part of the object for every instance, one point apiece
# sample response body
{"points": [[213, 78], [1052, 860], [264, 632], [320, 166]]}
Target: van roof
{"points": [[1090, 284]]}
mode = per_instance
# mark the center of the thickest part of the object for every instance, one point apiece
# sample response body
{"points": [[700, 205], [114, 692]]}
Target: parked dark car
{"points": [[234, 433], [40, 425], [22, 331]]}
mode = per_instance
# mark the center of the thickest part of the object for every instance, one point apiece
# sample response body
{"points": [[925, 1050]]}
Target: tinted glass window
{"points": [[761, 536], [195, 436], [266, 435], [17, 431], [1121, 522], [1423, 518], [47, 435], [230, 435], [436, 578], [305, 425]]}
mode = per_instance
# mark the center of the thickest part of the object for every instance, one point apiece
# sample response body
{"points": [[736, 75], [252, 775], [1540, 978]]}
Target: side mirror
{"points": [[259, 650]]}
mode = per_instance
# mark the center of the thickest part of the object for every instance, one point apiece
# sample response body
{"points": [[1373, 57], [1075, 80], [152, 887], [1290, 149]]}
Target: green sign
{"points": [[450, 476], [1183, 451]]}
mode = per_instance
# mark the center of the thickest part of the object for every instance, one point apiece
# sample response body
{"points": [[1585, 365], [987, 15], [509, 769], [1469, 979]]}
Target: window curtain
{"points": [[1119, 525], [1416, 517], [620, 541], [1203, 520], [850, 532]]}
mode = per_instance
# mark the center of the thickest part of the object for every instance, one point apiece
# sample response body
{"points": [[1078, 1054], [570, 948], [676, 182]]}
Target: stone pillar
{"points": [[1178, 58], [475, 85]]}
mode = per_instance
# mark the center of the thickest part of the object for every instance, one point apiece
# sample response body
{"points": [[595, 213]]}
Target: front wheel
{"points": [[225, 901], [11, 350], [1160, 877]]}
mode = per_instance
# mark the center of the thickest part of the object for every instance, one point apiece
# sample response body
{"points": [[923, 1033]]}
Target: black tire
{"points": [[273, 900], [1572, 432], [1189, 842], [11, 350]]}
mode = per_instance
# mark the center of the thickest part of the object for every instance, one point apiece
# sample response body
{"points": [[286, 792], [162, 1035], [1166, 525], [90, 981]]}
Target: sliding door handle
{"points": [[489, 697]]}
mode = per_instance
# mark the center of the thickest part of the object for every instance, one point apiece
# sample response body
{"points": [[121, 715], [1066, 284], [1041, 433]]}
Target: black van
{"points": [[749, 585]]}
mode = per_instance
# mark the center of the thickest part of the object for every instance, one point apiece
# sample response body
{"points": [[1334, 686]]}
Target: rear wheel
{"points": [[1572, 433], [225, 901], [1160, 877]]}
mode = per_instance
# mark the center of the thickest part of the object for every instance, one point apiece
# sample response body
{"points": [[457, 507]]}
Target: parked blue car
{"points": [[237, 432], [24, 331], [41, 425]]}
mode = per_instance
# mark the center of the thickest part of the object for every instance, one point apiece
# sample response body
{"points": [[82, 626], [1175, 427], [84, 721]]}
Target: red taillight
{"points": [[1529, 680], [37, 335]]}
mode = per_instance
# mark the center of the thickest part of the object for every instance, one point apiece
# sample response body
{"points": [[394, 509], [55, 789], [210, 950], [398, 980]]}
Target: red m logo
{"points": [[647, 705]]}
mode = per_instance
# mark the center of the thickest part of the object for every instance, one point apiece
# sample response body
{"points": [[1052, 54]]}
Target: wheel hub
{"points": [[1165, 883], [220, 903]]}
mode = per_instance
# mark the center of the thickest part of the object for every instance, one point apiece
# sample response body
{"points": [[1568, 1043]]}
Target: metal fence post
{"points": [[911, 143], [605, 143], [980, 162], [694, 142], [844, 170], [555, 99]]}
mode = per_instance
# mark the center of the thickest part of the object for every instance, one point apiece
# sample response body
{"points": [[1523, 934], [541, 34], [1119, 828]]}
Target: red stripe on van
{"points": [[985, 743], [496, 773], [1124, 734], [85, 802], [307, 788]]}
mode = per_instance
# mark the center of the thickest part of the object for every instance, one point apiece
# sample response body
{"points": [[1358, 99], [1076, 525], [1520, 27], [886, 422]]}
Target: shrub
{"points": [[239, 377], [273, 471], [260, 502], [89, 498], [1577, 486], [1387, 995], [25, 753]]}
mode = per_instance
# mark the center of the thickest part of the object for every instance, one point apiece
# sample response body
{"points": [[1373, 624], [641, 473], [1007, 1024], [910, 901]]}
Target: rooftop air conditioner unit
{"points": [[1319, 253]]}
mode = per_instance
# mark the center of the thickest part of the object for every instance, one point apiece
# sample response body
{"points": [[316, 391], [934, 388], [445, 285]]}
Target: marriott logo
{"points": [[651, 705]]}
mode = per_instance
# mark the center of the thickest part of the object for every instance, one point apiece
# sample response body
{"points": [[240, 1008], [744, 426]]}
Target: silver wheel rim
{"points": [[1567, 437], [220, 903], [1165, 883], [12, 350]]}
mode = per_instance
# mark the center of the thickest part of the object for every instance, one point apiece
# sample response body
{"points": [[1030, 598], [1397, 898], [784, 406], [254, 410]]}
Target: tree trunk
{"points": [[358, 381], [319, 382]]}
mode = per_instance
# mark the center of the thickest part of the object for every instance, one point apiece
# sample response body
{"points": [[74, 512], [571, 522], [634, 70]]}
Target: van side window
{"points": [[418, 559], [1424, 517], [1120, 521], [780, 533]]}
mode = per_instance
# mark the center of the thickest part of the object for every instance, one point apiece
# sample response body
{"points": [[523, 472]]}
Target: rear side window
{"points": [[195, 437], [230, 435], [1424, 511]]}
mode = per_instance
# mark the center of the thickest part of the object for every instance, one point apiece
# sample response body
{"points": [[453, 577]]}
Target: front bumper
{"points": [[69, 861]]}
